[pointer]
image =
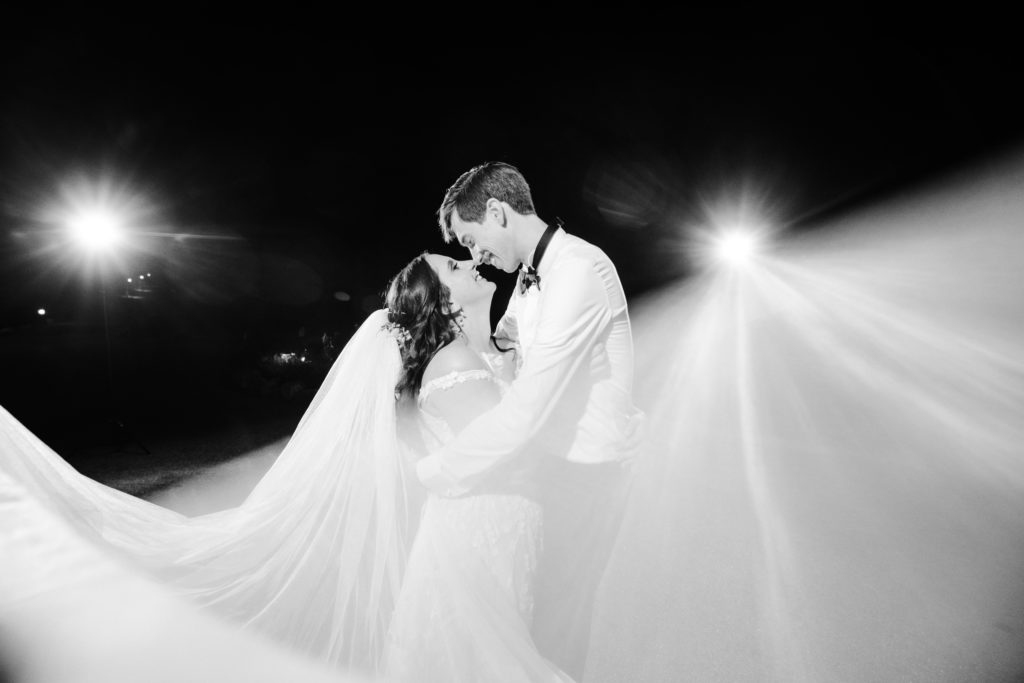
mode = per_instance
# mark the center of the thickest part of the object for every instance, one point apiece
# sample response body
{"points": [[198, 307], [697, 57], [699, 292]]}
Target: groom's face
{"points": [[488, 241]]}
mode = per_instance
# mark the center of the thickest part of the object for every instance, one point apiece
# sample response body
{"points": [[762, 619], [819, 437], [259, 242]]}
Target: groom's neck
{"points": [[530, 229]]}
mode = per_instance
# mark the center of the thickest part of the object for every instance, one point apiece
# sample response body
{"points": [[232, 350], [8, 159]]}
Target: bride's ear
{"points": [[496, 210]]}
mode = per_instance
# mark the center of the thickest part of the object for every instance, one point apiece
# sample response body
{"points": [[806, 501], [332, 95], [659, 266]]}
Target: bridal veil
{"points": [[313, 557]]}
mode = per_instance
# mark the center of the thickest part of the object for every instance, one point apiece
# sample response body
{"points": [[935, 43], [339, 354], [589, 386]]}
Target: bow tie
{"points": [[528, 276]]}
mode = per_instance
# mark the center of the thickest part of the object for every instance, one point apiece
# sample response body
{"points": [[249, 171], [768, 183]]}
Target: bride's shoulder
{"points": [[455, 357]]}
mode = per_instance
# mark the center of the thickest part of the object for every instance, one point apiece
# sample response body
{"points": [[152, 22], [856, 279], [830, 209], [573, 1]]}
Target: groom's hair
{"points": [[471, 191]]}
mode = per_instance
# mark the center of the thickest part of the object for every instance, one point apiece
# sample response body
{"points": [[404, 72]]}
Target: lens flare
{"points": [[728, 248], [736, 247], [97, 229]]}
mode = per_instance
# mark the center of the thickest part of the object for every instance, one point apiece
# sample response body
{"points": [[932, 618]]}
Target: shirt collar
{"points": [[546, 258]]}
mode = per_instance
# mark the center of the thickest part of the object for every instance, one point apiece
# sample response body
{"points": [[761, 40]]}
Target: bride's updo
{"points": [[421, 305]]}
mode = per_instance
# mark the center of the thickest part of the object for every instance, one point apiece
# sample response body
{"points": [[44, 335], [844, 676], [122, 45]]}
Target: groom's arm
{"points": [[572, 316], [506, 334]]}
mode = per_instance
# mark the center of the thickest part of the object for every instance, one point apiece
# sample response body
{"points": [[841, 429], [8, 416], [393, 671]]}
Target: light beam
{"points": [[96, 229], [736, 247]]}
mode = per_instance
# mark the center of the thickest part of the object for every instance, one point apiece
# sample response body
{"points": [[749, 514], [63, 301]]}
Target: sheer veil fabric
{"points": [[835, 487], [71, 612], [313, 557]]}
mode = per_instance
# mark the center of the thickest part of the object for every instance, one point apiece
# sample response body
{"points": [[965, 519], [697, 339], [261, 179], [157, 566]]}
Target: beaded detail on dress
{"points": [[456, 377]]}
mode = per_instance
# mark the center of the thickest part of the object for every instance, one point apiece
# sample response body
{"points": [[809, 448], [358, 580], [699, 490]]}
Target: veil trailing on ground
{"points": [[836, 487], [315, 554]]}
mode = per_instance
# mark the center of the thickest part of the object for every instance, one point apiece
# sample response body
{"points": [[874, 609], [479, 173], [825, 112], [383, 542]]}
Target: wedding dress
{"points": [[316, 554], [467, 600]]}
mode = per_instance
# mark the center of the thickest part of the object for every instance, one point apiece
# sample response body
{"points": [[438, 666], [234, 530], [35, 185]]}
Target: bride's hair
{"points": [[418, 302]]}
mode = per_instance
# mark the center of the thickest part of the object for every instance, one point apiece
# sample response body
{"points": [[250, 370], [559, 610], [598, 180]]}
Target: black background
{"points": [[322, 148]]}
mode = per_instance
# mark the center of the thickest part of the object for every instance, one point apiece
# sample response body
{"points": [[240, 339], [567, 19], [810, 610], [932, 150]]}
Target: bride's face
{"points": [[460, 277]]}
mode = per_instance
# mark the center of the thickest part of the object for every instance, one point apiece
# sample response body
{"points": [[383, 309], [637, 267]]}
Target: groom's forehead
{"points": [[459, 226]]}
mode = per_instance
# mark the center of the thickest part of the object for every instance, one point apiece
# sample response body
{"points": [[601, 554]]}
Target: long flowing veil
{"points": [[315, 554], [836, 487]]}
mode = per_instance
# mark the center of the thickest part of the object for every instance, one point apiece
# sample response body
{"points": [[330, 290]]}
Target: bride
{"points": [[321, 554], [468, 587]]}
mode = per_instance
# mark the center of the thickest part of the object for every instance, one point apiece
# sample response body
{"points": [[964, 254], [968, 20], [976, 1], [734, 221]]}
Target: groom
{"points": [[570, 404]]}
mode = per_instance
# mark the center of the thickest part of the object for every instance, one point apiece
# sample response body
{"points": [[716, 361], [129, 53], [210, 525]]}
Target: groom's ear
{"points": [[496, 210]]}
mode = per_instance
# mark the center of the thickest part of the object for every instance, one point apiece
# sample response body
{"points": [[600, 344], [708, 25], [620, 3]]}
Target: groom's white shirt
{"points": [[572, 397]]}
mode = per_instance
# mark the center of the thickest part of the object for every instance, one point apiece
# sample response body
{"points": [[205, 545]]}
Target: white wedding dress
{"points": [[467, 600], [316, 555]]}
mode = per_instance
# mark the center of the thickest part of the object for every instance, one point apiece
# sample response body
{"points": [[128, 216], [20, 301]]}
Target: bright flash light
{"points": [[96, 229], [736, 247], [41, 311], [730, 248]]}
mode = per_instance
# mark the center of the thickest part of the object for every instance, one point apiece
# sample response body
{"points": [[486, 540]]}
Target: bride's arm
{"points": [[468, 392]]}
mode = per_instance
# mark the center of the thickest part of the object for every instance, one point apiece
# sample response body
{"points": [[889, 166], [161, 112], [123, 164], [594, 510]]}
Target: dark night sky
{"points": [[341, 143], [323, 150]]}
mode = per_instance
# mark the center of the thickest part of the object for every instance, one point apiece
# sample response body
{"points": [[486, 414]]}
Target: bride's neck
{"points": [[476, 328]]}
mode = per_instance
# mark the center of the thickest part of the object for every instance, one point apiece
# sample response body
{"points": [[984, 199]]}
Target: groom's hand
{"points": [[431, 474]]}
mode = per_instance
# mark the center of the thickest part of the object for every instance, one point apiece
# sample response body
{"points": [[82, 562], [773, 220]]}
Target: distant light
{"points": [[142, 277], [302, 359], [41, 311], [149, 274], [129, 279], [96, 229], [736, 247]]}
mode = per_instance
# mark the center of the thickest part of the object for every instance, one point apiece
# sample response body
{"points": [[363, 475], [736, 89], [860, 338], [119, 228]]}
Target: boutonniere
{"points": [[528, 278]]}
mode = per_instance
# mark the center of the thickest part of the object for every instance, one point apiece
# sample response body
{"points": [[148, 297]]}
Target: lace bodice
{"points": [[454, 378], [437, 431]]}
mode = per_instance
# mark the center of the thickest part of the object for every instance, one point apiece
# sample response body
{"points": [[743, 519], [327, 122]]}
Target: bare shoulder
{"points": [[456, 357]]}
